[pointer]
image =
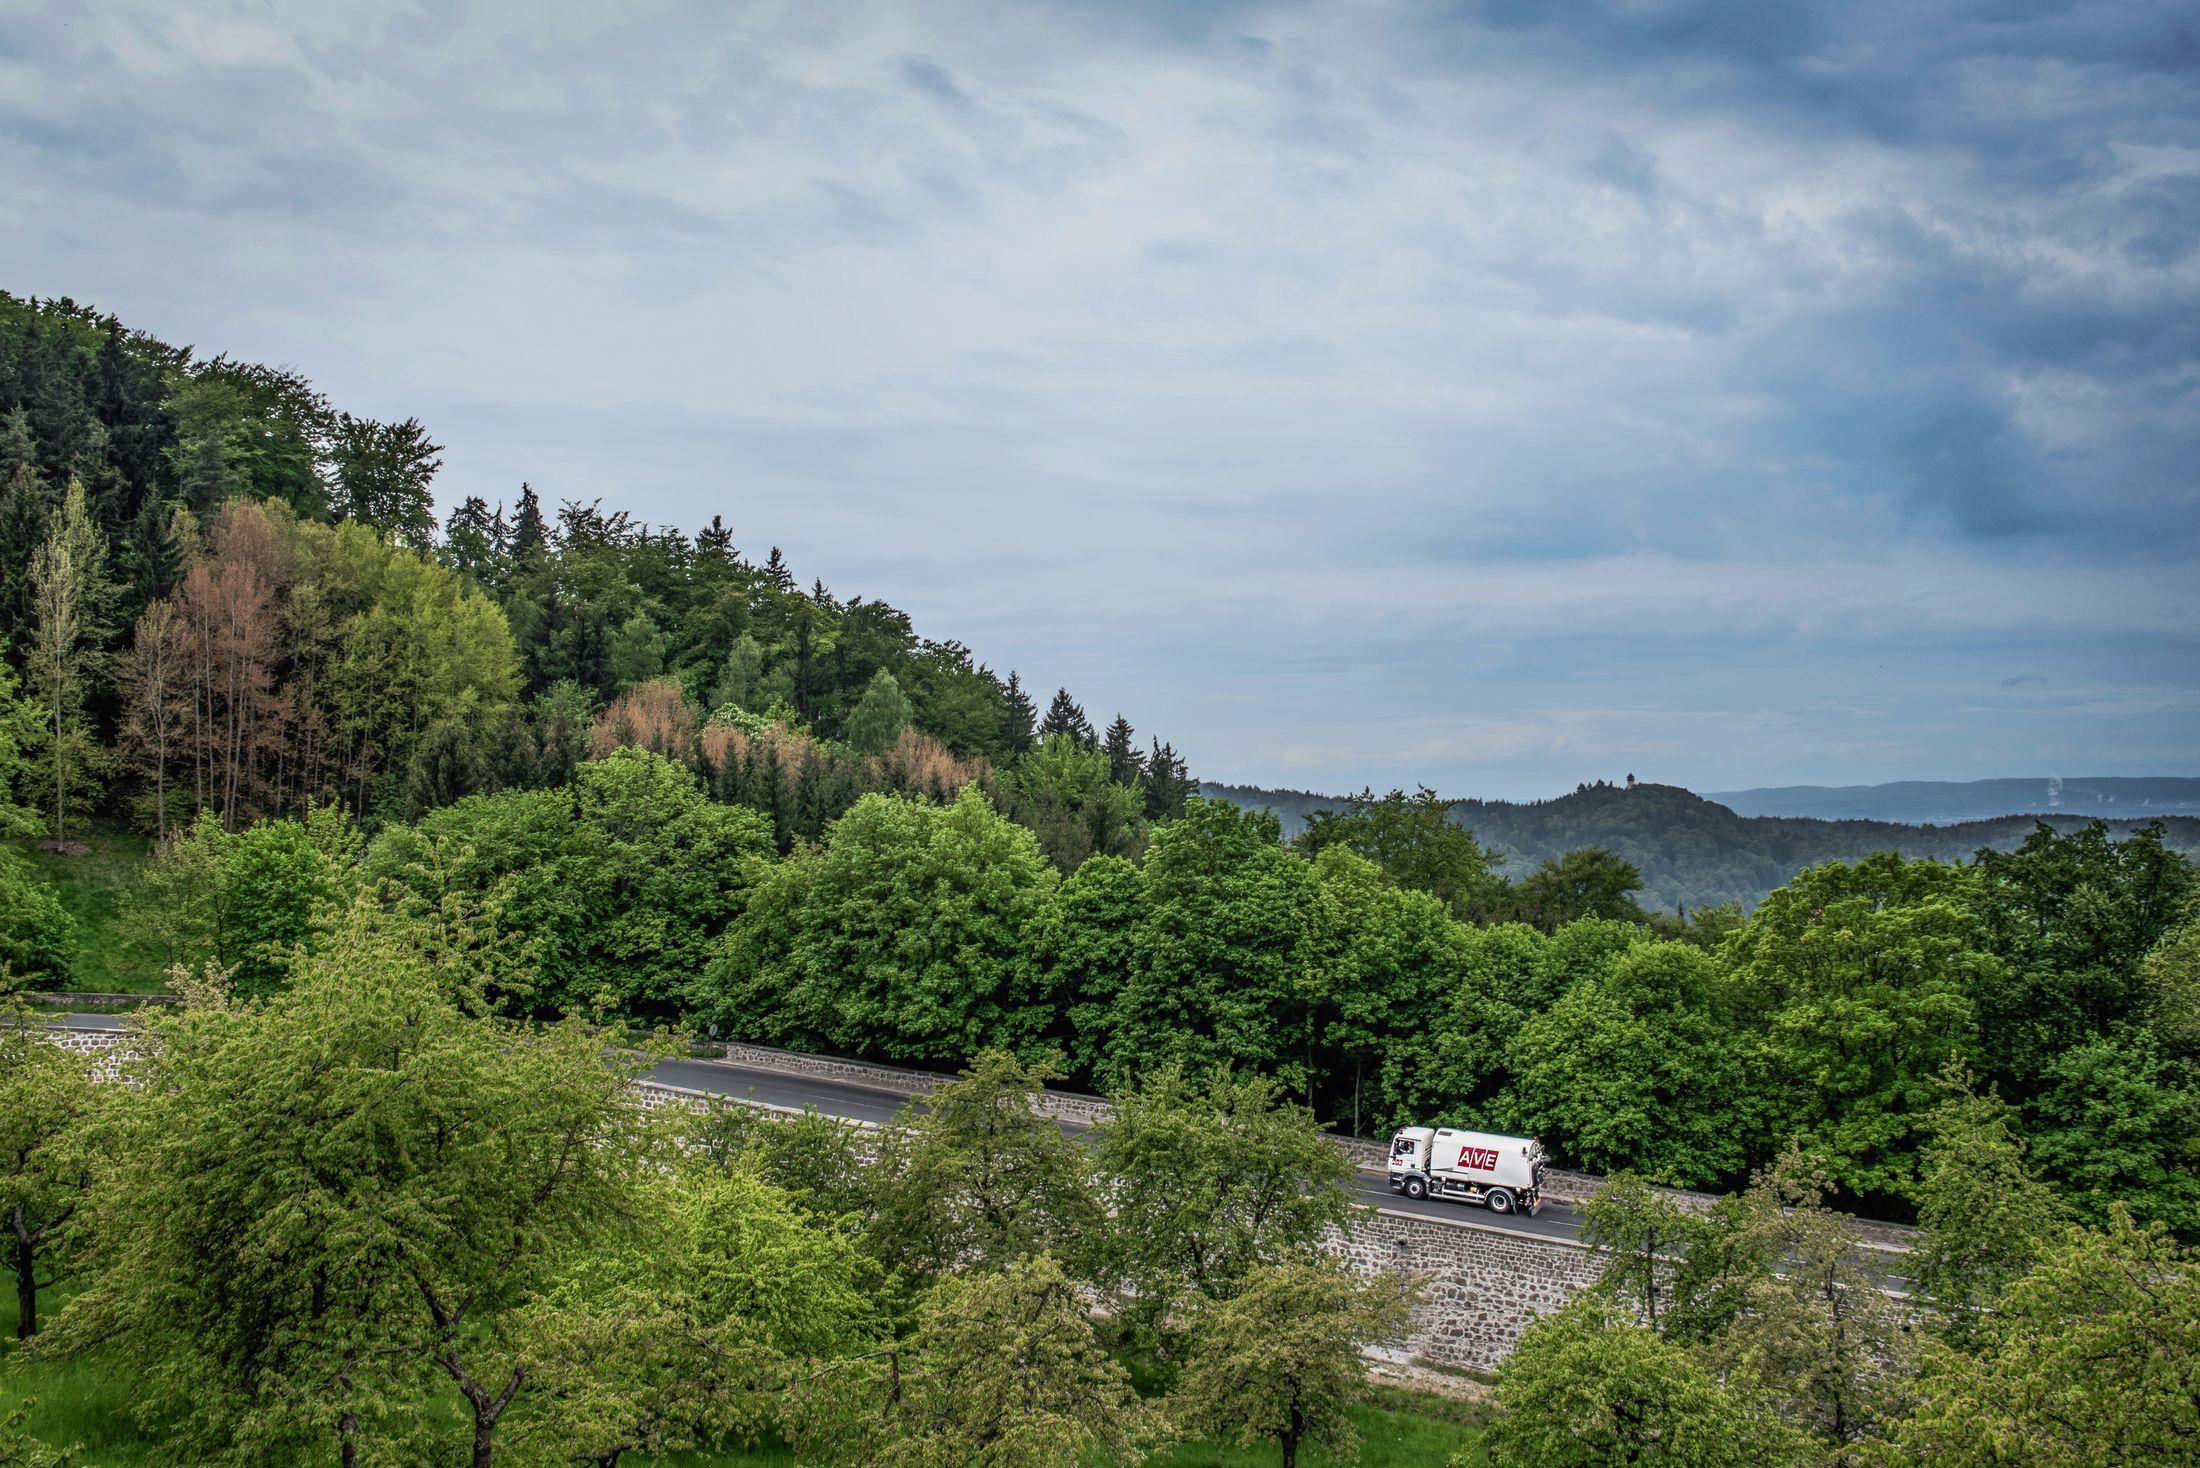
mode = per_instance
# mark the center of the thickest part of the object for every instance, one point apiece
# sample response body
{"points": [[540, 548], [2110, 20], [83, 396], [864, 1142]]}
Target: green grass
{"points": [[110, 959], [85, 1405]]}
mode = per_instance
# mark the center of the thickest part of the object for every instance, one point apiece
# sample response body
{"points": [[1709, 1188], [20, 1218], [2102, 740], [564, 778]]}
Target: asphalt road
{"points": [[861, 1103]]}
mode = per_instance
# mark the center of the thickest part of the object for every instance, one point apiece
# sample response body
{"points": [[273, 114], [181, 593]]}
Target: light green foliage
{"points": [[37, 935], [321, 1202], [879, 716], [1637, 1066], [1860, 977], [1678, 1270], [1206, 1182], [403, 643], [71, 603], [637, 651], [246, 900], [1221, 968], [1985, 1218], [1066, 792], [48, 1100], [688, 1328], [1003, 1371], [1590, 1388], [905, 937], [18, 1449], [977, 1176], [818, 1161], [1815, 1330], [1280, 1360], [2086, 1360], [623, 880], [1417, 845], [2171, 975]]}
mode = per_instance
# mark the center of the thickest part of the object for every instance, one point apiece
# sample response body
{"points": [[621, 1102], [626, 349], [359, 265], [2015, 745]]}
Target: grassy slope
{"points": [[82, 1405], [109, 960]]}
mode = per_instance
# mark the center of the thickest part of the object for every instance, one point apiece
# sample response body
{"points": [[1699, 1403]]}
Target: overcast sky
{"points": [[1494, 395]]}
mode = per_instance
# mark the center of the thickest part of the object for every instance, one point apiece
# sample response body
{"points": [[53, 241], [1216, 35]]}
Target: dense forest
{"points": [[1692, 852], [424, 808], [674, 785]]}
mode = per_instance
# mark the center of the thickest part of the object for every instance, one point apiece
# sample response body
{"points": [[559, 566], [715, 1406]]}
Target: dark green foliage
{"points": [[1065, 717], [1589, 883], [383, 471], [1417, 845]]}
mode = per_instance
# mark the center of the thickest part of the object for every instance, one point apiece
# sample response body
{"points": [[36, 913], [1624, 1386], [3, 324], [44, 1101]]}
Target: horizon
{"points": [[1469, 399]]}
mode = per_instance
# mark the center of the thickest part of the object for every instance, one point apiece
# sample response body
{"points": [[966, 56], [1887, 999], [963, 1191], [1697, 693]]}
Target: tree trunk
{"points": [[26, 1291], [1290, 1442]]}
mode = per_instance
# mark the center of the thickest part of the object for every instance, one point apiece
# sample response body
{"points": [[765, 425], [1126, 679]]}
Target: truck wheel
{"points": [[1416, 1187], [1501, 1200]]}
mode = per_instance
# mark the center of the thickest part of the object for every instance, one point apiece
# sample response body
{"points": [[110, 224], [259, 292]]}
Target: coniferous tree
{"points": [[1019, 717], [1065, 716], [715, 541], [775, 568], [155, 552], [529, 537], [383, 471], [1125, 763], [1168, 784]]}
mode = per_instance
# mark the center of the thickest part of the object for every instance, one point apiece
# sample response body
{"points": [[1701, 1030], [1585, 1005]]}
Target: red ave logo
{"points": [[1478, 1159]]}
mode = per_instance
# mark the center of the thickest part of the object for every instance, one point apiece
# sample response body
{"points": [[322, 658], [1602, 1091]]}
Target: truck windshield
{"points": [[1401, 1147]]}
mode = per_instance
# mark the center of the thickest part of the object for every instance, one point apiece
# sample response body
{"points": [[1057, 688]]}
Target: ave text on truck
{"points": [[1503, 1174]]}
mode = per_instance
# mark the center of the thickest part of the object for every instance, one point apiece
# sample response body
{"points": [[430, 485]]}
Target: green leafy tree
{"points": [[1004, 1370], [1860, 977], [980, 1176], [1417, 844], [1208, 1181], [19, 1449], [822, 1163], [1589, 1387], [637, 651], [2087, 1359], [2119, 1122], [19, 733], [905, 937], [689, 1328], [1637, 1067], [71, 602], [248, 900], [1588, 883], [1985, 1218], [37, 935], [624, 880], [48, 1102], [1280, 1360], [1222, 961], [1083, 946], [1388, 961], [1063, 790], [383, 473], [1679, 1270], [879, 716], [322, 1201]]}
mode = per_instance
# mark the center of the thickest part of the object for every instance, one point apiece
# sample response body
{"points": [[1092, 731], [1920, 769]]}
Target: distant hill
{"points": [[1917, 802], [1694, 852]]}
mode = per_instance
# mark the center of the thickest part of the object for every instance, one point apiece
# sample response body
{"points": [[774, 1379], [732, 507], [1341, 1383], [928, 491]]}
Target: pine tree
{"points": [[715, 541], [154, 553], [23, 511], [1019, 716], [203, 473], [1125, 763], [71, 599], [1064, 716]]}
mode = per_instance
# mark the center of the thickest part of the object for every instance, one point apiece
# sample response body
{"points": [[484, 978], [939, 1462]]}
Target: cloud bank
{"points": [[1493, 395]]}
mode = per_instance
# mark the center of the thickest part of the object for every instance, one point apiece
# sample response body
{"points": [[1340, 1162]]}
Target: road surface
{"points": [[863, 1103]]}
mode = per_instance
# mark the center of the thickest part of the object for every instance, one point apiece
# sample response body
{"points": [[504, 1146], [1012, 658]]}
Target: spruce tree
{"points": [[1019, 716], [1064, 716], [714, 542], [775, 569], [1125, 763], [154, 553], [528, 535]]}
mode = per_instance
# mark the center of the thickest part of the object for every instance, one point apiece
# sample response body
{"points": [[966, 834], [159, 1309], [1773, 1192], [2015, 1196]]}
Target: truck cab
{"points": [[1503, 1174]]}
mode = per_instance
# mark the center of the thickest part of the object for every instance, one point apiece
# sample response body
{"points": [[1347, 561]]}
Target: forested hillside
{"points": [[1693, 852], [1941, 802]]}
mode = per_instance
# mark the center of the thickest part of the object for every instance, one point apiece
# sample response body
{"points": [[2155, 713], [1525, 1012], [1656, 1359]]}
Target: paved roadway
{"points": [[862, 1103]]}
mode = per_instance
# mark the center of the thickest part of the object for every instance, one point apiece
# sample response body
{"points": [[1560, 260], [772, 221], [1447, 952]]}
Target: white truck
{"points": [[1503, 1174]]}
